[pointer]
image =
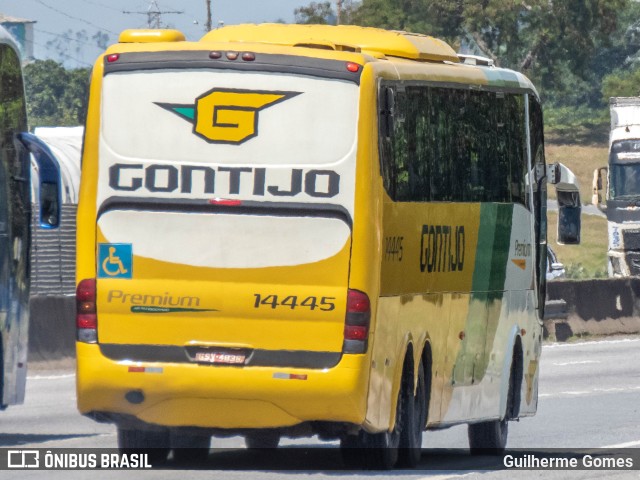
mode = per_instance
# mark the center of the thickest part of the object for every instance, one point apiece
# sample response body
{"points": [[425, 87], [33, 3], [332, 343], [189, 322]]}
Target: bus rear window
{"points": [[221, 117]]}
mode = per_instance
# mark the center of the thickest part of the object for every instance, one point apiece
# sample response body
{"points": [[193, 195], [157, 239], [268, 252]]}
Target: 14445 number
{"points": [[293, 301]]}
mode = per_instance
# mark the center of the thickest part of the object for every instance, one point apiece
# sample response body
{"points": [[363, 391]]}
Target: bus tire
{"points": [[189, 449], [154, 443], [491, 437], [488, 437], [370, 451], [262, 439], [415, 412], [382, 451], [349, 451]]}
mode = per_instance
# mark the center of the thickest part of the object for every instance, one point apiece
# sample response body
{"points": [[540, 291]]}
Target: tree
{"points": [[621, 76], [622, 83], [434, 17], [71, 44], [55, 96], [315, 12]]}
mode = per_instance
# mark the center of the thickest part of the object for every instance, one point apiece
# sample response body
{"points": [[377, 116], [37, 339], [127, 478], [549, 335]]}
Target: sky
{"points": [[55, 17]]}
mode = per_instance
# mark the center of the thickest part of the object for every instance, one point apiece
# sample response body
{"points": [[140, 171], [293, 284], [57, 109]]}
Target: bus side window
{"points": [[387, 111], [385, 129]]}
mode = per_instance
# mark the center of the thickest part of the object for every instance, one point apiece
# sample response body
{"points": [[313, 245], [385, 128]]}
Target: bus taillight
{"points": [[86, 317], [356, 325], [225, 202], [353, 67]]}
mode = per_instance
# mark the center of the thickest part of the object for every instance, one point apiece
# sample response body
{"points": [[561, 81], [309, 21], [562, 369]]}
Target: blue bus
{"points": [[16, 145]]}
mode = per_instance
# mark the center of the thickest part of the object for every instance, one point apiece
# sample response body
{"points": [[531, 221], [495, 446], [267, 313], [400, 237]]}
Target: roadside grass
{"points": [[576, 125]]}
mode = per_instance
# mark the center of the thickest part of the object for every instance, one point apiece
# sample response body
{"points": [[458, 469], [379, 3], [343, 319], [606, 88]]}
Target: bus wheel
{"points": [[491, 437], [262, 439], [488, 437], [189, 449], [154, 443], [415, 412], [370, 451], [380, 451]]}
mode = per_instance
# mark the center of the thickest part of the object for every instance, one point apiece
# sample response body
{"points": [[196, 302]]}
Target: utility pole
{"points": [[339, 10], [208, 25], [154, 13]]}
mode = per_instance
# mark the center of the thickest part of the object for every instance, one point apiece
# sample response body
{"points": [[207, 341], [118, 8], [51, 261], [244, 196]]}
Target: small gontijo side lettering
{"points": [[442, 248]]}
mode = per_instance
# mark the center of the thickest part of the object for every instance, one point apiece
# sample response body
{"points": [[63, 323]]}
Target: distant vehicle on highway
{"points": [[15, 214], [616, 188], [555, 269]]}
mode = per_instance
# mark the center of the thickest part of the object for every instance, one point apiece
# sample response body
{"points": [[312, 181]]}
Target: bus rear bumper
{"points": [[225, 397]]}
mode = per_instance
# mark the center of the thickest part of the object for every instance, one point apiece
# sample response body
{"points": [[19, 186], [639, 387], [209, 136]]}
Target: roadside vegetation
{"points": [[587, 260], [55, 96]]}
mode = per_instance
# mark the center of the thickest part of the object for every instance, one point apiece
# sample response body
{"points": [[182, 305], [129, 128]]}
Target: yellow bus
{"points": [[289, 230]]}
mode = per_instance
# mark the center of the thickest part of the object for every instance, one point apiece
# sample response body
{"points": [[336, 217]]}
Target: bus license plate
{"points": [[220, 357]]}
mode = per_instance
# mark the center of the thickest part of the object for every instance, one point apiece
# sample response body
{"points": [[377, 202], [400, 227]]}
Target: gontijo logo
{"points": [[224, 115]]}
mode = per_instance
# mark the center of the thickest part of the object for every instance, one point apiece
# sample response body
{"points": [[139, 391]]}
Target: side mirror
{"points": [[569, 206], [49, 184], [600, 186], [569, 224], [49, 205]]}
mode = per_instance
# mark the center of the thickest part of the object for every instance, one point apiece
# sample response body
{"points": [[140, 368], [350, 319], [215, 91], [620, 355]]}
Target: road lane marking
{"points": [[593, 391], [624, 445], [564, 364], [446, 477], [590, 343], [50, 377]]}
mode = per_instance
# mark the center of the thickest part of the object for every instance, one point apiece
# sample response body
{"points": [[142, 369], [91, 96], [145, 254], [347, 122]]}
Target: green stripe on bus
{"points": [[492, 252], [485, 304]]}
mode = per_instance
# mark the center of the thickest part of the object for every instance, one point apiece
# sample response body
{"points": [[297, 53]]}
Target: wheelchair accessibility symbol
{"points": [[115, 260]]}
